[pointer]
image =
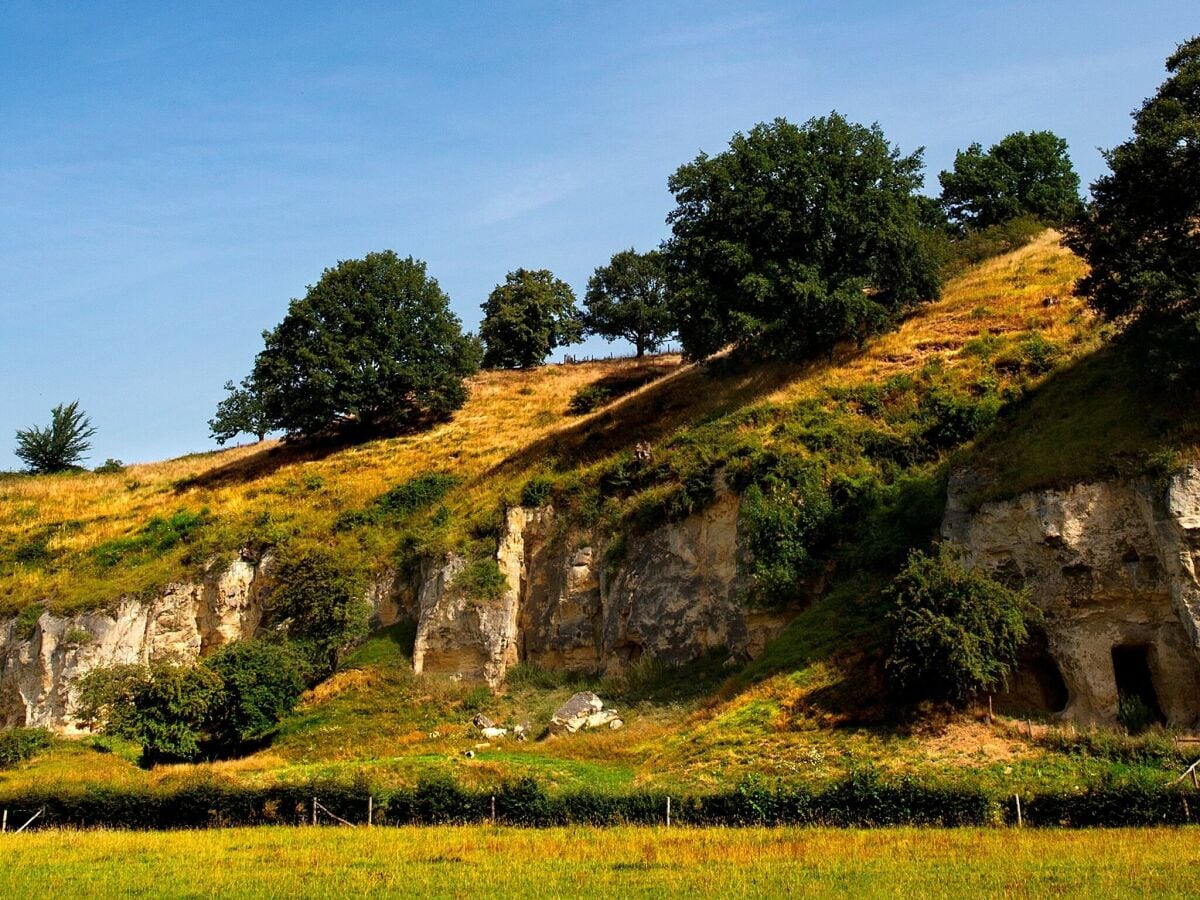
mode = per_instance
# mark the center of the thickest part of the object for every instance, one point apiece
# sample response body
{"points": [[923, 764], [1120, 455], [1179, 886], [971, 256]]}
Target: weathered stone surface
{"points": [[1110, 564], [461, 634], [674, 594], [185, 621], [576, 713]]}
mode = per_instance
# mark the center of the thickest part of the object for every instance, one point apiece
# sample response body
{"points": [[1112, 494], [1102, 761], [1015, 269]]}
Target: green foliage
{"points": [[59, 446], [798, 237], [526, 317], [417, 493], [26, 621], [1134, 714], [164, 707], [609, 388], [20, 744], [979, 244], [261, 682], [588, 398], [1025, 174], [319, 601], [156, 537], [956, 632], [629, 298], [537, 491], [241, 412], [110, 466], [373, 343], [482, 579], [1139, 233], [785, 515]]}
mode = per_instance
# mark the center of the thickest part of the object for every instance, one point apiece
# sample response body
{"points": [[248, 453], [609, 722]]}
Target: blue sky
{"points": [[171, 174]]}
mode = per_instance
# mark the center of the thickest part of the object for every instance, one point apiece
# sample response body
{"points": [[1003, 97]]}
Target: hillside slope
{"points": [[868, 436]]}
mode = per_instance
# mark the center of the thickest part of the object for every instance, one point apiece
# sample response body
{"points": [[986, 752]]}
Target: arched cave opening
{"points": [[1135, 677], [1036, 684]]}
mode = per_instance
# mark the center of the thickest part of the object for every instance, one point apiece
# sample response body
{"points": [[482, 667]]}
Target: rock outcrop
{"points": [[1115, 568], [571, 603], [186, 620], [583, 710]]}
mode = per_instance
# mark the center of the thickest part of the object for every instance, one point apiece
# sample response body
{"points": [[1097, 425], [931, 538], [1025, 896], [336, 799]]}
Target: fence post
{"points": [[370, 810], [493, 810], [314, 811], [668, 811], [1019, 822], [4, 826]]}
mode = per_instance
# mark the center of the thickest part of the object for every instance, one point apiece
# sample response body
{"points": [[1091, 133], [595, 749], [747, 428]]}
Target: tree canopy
{"points": [[1141, 233], [629, 298], [1025, 174], [373, 343], [59, 446], [797, 237], [242, 412], [527, 317]]}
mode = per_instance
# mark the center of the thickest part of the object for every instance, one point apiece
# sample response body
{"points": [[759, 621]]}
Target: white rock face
{"points": [[185, 621], [671, 595], [1111, 564]]}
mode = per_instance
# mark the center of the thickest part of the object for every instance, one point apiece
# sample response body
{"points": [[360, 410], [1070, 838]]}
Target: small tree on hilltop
{"points": [[373, 343], [955, 631], [798, 237], [526, 318], [1141, 233], [1025, 174], [242, 412], [59, 446], [629, 298]]}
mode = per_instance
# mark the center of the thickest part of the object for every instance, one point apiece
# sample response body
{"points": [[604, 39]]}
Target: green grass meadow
{"points": [[615, 862]]}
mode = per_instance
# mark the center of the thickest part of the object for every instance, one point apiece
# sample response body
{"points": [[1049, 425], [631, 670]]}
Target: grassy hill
{"points": [[1007, 371]]}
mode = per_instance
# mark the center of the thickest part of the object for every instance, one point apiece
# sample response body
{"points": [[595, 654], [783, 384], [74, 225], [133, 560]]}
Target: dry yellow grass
{"points": [[513, 423]]}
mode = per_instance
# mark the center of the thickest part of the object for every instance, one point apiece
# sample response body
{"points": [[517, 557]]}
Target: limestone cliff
{"points": [[184, 621], [1115, 567], [570, 603]]}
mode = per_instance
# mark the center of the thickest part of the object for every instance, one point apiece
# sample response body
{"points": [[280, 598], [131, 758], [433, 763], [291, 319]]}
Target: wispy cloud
{"points": [[532, 192]]}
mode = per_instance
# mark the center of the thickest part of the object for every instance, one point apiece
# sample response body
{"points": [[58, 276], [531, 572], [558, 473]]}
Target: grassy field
{"points": [[472, 862]]}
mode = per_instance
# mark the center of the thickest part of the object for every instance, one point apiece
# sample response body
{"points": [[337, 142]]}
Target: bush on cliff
{"points": [[956, 631]]}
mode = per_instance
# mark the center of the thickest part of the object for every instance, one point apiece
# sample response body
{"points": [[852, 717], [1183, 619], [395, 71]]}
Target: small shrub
{"points": [[20, 744], [587, 399], [956, 632], [419, 492], [110, 467], [482, 579], [27, 620], [537, 491], [77, 637], [1134, 714]]}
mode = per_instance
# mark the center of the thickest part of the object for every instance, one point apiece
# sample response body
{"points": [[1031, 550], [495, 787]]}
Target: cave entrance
{"points": [[1135, 679]]}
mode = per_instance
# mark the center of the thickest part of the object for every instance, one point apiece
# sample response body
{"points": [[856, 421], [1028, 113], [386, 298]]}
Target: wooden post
{"points": [[493, 809], [991, 715], [314, 811], [370, 810], [4, 826], [668, 812], [1195, 780], [1019, 822]]}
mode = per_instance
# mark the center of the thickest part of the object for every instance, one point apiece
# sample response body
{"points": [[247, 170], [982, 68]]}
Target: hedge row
{"points": [[860, 801]]}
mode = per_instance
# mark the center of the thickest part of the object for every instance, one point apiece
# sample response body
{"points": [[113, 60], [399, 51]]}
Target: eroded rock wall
{"points": [[671, 594], [1111, 564], [187, 620]]}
